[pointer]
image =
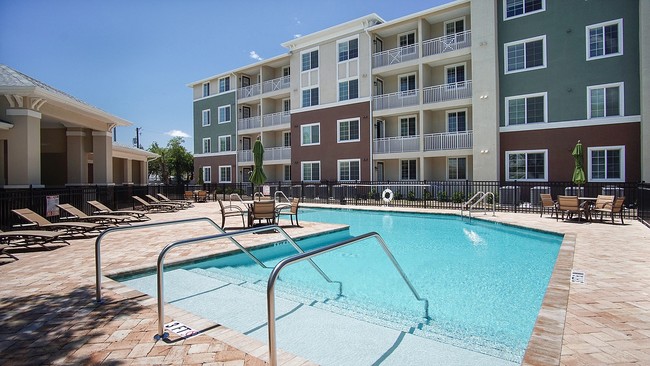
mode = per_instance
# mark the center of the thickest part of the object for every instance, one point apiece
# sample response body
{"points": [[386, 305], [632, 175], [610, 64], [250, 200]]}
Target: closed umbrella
{"points": [[258, 177], [578, 172]]}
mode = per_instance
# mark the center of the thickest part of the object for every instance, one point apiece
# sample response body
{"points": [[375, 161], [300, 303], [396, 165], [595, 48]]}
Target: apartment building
{"points": [[470, 90]]}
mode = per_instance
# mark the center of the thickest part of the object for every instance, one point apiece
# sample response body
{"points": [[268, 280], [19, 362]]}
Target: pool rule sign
{"points": [[181, 329]]}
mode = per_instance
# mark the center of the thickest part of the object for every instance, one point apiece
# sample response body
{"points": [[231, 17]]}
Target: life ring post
{"points": [[387, 195]]}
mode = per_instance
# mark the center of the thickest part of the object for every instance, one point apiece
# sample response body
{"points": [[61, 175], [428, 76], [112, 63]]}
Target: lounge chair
{"points": [[185, 203], [70, 228], [180, 206], [106, 219], [230, 212], [262, 210], [155, 207], [3, 250], [291, 211], [32, 237], [134, 214], [612, 209], [570, 205], [547, 204]]}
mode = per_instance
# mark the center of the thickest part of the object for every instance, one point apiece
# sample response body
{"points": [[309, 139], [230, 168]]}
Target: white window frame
{"points": [[222, 169], [526, 96], [302, 170], [447, 113], [207, 174], [456, 158], [455, 66], [346, 40], [444, 25], [621, 98], [407, 92], [225, 137], [524, 41], [338, 130], [302, 143], [224, 107], [505, 10], [621, 148], [207, 140], [347, 81], [618, 22], [399, 125], [206, 117], [415, 38], [223, 79], [339, 163], [416, 169], [286, 137], [286, 174], [302, 98], [507, 165], [205, 88], [310, 51]]}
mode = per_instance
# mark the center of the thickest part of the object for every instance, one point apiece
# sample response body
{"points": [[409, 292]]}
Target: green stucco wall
{"points": [[215, 129]]}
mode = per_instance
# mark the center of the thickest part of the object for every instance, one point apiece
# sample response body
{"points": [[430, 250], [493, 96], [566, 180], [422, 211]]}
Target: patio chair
{"points": [[134, 214], [27, 238], [69, 227], [154, 200], [291, 211], [612, 208], [189, 196], [202, 196], [262, 210], [186, 203], [547, 204], [155, 207], [570, 205], [230, 212], [75, 213]]}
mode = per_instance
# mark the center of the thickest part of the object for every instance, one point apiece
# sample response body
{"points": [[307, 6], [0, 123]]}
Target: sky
{"points": [[134, 58]]}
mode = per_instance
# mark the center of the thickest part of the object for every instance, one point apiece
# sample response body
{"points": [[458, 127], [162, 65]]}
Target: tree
{"points": [[158, 167], [174, 160]]}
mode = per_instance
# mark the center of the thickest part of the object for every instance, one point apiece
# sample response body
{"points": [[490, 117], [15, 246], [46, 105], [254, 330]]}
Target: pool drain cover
{"points": [[577, 277]]}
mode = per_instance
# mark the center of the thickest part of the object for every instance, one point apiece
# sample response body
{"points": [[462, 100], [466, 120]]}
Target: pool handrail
{"points": [[98, 257], [280, 193], [468, 205], [270, 286], [222, 235], [236, 195]]}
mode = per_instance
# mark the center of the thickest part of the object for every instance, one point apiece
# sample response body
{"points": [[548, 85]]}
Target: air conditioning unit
{"points": [[509, 195], [535, 199]]}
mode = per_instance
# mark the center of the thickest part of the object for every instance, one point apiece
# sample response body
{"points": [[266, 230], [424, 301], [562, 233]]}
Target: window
{"points": [[349, 89], [310, 97], [518, 8], [529, 54], [286, 71], [407, 127], [454, 26], [407, 84], [349, 169], [207, 145], [524, 109], [224, 114], [409, 169], [311, 170], [310, 134], [527, 165], [348, 49], [287, 172], [224, 84], [407, 39], [205, 117], [457, 121], [455, 74], [225, 174], [286, 139], [457, 168], [348, 130], [605, 100], [224, 143], [309, 60], [606, 164], [207, 174], [286, 106], [605, 39], [206, 89]]}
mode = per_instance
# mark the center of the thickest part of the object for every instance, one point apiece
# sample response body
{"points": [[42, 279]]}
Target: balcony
{"points": [[448, 141], [249, 123], [396, 100], [270, 154], [276, 119], [265, 87], [395, 56], [392, 145], [445, 92], [448, 43]]}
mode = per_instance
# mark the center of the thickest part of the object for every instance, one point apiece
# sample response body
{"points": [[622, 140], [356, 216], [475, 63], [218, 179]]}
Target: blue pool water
{"points": [[484, 281]]}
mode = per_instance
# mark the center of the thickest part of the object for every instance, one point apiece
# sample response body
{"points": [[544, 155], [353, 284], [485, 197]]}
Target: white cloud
{"points": [[298, 35], [255, 56], [298, 22], [177, 133]]}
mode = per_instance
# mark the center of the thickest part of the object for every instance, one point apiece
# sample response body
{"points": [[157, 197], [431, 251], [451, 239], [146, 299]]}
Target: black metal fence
{"points": [[509, 196]]}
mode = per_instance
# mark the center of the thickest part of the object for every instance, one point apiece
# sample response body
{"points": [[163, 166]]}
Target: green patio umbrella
{"points": [[578, 172], [258, 177]]}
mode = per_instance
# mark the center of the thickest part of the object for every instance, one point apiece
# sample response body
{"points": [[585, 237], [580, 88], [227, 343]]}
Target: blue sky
{"points": [[134, 58]]}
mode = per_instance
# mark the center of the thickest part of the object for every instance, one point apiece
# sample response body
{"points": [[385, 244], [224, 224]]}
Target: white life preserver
{"points": [[390, 195]]}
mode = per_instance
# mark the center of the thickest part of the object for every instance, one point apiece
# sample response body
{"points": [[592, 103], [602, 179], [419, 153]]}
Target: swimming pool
{"points": [[485, 282]]}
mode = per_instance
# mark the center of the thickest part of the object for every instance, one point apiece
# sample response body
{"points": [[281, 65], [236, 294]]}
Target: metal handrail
{"points": [[469, 205], [236, 195], [223, 235], [270, 289], [280, 193]]}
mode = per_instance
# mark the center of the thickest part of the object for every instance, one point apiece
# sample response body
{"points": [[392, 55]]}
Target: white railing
{"points": [[276, 119], [448, 141], [248, 123], [452, 91], [448, 43], [390, 145], [244, 156], [395, 55], [396, 100], [248, 91], [277, 153], [276, 84]]}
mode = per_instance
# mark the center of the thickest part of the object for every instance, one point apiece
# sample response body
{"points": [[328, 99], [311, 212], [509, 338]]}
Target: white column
{"points": [[102, 157], [24, 148], [77, 157]]}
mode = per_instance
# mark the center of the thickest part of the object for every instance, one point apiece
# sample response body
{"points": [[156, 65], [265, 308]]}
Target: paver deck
{"points": [[49, 315]]}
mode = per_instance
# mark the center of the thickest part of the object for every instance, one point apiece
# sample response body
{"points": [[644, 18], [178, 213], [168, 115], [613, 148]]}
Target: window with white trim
{"points": [[310, 171], [224, 143], [520, 8], [457, 121], [225, 174], [286, 139], [454, 26], [525, 55], [606, 163], [224, 114], [349, 89], [310, 134], [310, 97], [457, 168], [207, 145], [523, 109], [206, 89], [605, 100], [409, 169], [408, 126], [455, 74], [309, 60], [531, 165], [287, 172], [348, 130], [407, 84], [604, 39], [407, 39], [207, 174], [205, 118], [349, 170], [348, 49], [224, 84]]}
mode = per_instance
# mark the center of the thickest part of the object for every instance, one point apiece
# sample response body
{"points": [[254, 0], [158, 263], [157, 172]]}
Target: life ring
{"points": [[390, 195]]}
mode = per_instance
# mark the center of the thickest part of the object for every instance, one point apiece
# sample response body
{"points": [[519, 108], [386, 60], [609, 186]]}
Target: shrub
{"points": [[410, 196], [442, 196], [458, 197], [427, 195]]}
